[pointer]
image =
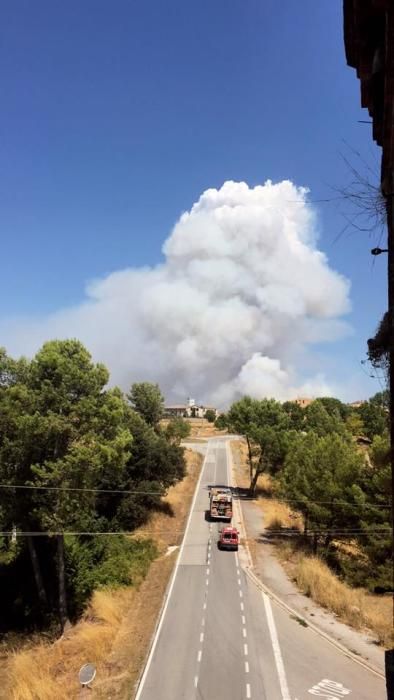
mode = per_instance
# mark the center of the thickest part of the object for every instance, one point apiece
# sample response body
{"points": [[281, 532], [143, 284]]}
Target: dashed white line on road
{"points": [[203, 622], [276, 649], [238, 574], [240, 594], [239, 582], [248, 691], [243, 619], [207, 582], [242, 605], [199, 656], [195, 681], [204, 607], [245, 649], [208, 571], [246, 667], [244, 633], [202, 637]]}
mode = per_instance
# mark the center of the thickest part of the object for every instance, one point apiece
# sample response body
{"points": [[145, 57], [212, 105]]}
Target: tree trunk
{"points": [[250, 458], [37, 572], [62, 582], [315, 536], [253, 482], [306, 522]]}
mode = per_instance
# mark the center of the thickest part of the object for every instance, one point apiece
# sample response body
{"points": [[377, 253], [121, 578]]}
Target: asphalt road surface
{"points": [[220, 638]]}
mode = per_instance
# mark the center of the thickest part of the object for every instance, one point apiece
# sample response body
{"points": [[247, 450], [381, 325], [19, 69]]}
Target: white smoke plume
{"points": [[242, 292]]}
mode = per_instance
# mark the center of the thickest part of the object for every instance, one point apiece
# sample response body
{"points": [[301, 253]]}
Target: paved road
{"points": [[220, 638]]}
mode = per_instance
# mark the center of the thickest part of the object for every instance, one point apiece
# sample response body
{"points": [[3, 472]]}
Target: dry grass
{"points": [[45, 671], [116, 629], [353, 605], [200, 427], [277, 515]]}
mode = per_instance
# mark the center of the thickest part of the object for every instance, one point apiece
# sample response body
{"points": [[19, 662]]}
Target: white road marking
{"points": [[245, 649], [240, 594], [207, 582], [276, 649], [208, 571], [326, 686], [163, 613], [199, 656], [239, 582], [236, 559], [242, 605], [204, 607], [248, 691], [246, 666], [203, 622], [244, 633], [243, 620], [195, 681], [238, 574], [202, 637]]}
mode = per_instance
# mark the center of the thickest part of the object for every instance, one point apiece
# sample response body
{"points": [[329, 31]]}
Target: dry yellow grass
{"points": [[115, 631], [45, 671], [353, 605], [278, 515]]}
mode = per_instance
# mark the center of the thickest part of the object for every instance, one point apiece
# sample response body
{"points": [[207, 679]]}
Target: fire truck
{"points": [[220, 504]]}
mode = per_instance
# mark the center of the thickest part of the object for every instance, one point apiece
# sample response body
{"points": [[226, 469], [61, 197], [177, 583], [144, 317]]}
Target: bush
{"points": [[210, 415], [110, 560]]}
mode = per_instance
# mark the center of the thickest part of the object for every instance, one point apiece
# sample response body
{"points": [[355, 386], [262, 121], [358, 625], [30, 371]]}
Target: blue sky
{"points": [[116, 116]]}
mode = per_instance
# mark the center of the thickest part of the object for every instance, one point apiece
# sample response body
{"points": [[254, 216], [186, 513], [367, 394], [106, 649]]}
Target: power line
{"points": [[71, 488], [302, 501], [163, 493], [133, 533]]}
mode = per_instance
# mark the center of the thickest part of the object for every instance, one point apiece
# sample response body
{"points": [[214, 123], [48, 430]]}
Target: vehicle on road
{"points": [[220, 504], [228, 538]]}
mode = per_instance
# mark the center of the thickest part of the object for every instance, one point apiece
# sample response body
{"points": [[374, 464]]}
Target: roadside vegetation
{"points": [[321, 475], [82, 468], [115, 629]]}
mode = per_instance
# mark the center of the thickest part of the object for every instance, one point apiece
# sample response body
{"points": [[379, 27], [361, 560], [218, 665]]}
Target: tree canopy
{"points": [[74, 442], [147, 400]]}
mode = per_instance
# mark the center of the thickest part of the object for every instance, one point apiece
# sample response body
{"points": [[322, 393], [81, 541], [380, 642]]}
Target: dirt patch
{"points": [[116, 630]]}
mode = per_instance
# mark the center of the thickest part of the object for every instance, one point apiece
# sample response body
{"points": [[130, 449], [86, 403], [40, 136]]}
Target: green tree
{"points": [[264, 424], [321, 421], [61, 430], [354, 423], [375, 535], [221, 422], [334, 407], [375, 418], [320, 478], [210, 415], [147, 400], [177, 430], [295, 413]]}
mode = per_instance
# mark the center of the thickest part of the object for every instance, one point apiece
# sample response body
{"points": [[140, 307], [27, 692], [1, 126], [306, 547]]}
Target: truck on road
{"points": [[220, 504], [228, 538]]}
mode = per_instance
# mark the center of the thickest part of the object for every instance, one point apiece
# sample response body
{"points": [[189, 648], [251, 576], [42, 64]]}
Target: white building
{"points": [[188, 410]]}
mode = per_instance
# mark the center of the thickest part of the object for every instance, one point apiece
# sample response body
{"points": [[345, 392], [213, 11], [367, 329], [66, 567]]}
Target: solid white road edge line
{"points": [[164, 610], [276, 648]]}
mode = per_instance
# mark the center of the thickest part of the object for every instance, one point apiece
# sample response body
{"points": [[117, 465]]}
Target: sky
{"points": [[116, 119]]}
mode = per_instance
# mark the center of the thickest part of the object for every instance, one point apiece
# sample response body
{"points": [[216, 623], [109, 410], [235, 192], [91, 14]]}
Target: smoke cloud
{"points": [[242, 293]]}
